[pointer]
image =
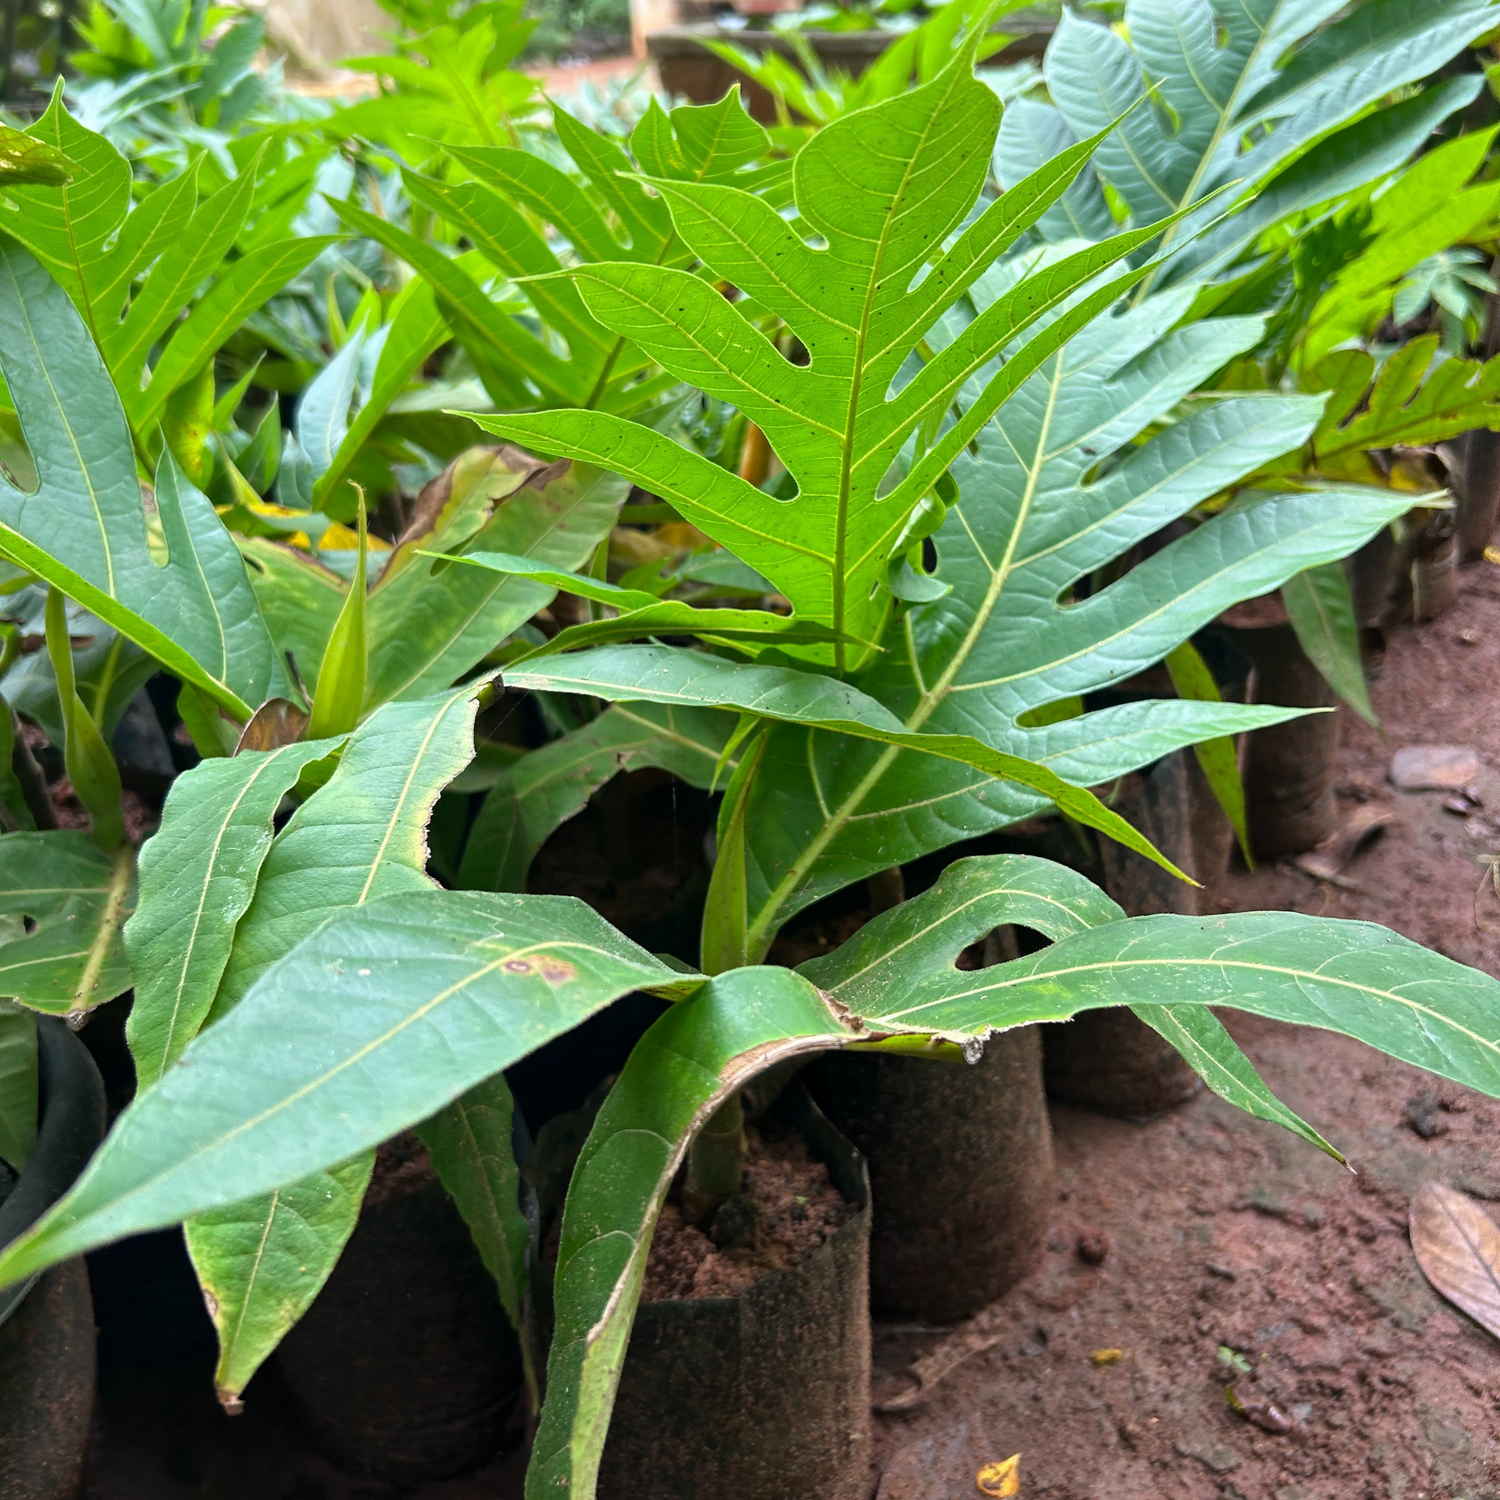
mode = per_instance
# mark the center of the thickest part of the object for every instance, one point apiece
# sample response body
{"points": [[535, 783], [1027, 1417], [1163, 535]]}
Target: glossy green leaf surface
{"points": [[361, 836], [242, 288], [381, 1017], [24, 159], [1201, 1038], [214, 836], [1217, 758], [470, 1143], [668, 675], [76, 899], [430, 622]]}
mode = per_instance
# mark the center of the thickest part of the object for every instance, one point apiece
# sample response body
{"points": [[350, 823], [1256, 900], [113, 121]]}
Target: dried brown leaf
{"points": [[1458, 1248], [275, 723]]}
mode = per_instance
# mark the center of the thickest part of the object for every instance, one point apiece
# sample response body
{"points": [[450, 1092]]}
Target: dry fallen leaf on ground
{"points": [[1000, 1478], [1458, 1248]]}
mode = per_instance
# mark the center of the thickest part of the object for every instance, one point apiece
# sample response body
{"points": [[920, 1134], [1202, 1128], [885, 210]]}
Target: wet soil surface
{"points": [[788, 1207], [1224, 1232]]}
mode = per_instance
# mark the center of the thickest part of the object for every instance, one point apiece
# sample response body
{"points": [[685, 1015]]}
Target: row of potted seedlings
{"points": [[474, 1157]]}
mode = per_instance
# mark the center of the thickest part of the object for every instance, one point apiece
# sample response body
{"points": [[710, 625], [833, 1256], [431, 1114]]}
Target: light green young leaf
{"points": [[77, 899], [24, 159], [87, 757], [198, 874], [244, 286], [1416, 397], [71, 229], [861, 307], [643, 614], [18, 1083], [197, 252], [340, 694], [1321, 609], [1217, 758], [414, 331], [547, 787], [397, 1008]]}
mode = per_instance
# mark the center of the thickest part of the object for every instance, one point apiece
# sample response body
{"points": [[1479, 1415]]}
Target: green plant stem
{"points": [[716, 1162]]}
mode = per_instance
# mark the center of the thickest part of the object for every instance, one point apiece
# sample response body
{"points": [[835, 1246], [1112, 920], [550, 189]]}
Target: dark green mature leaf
{"points": [[1217, 758], [198, 875], [1201, 1038], [1261, 73], [392, 1009], [883, 188], [547, 787], [919, 941], [1351, 977], [469, 1142], [18, 1083], [1321, 609], [261, 1263], [669, 675], [414, 329], [1060, 487], [84, 529], [359, 837], [77, 899], [692, 1059]]}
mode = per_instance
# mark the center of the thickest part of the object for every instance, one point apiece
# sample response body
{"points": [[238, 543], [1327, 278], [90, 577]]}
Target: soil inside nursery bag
{"points": [[748, 1371], [405, 1366]]}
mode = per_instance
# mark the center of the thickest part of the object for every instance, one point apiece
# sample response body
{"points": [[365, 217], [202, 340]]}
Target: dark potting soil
{"points": [[1222, 1231], [787, 1208]]}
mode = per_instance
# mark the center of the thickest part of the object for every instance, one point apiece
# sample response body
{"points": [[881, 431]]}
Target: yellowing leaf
{"points": [[1000, 1478]]}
